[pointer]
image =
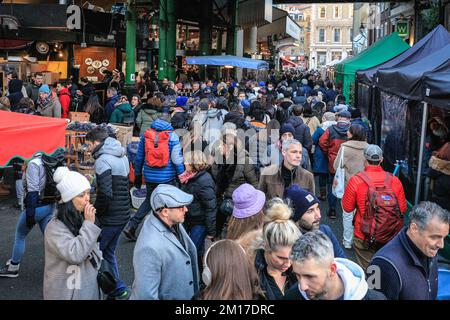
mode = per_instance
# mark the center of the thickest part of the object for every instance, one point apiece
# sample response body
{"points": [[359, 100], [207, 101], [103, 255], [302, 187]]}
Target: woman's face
{"points": [[81, 201], [279, 259], [134, 101]]}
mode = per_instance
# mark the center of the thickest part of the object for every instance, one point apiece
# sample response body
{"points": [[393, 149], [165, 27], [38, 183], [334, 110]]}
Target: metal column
{"points": [[130, 45]]}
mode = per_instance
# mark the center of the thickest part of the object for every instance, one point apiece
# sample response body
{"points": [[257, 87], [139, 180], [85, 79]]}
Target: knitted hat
{"points": [[181, 101], [44, 88], [245, 104], [70, 183], [262, 83], [287, 127], [301, 200], [247, 201]]}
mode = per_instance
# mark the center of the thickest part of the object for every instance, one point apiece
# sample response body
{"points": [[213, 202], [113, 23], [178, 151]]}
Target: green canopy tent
{"points": [[383, 50]]}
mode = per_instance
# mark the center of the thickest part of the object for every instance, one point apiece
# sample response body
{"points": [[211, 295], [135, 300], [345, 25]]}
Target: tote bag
{"points": [[339, 178]]}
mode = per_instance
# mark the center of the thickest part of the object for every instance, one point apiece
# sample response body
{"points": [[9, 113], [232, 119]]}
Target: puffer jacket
{"points": [[112, 169], [145, 118], [356, 190], [52, 109], [64, 99], [302, 132], [122, 112], [202, 211], [175, 166], [353, 158], [331, 141]]}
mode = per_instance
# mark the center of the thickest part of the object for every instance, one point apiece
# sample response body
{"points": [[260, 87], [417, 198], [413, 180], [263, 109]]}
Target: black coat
{"points": [[302, 132], [179, 120], [294, 294], [202, 211]]}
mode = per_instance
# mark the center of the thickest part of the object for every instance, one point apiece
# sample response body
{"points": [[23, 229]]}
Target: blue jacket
{"points": [[402, 270], [110, 105], [338, 251], [320, 163], [175, 166]]}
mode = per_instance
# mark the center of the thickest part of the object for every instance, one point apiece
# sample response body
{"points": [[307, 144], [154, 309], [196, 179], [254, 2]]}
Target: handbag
{"points": [[339, 178], [105, 278], [226, 206]]}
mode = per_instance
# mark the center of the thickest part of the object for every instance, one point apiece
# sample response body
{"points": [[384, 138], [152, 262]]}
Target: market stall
{"points": [[379, 52]]}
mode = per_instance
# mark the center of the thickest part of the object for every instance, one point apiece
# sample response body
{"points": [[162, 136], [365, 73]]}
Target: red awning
{"points": [[23, 135], [289, 62]]}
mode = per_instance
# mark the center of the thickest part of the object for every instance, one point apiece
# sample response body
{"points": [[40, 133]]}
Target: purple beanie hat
{"points": [[247, 201]]}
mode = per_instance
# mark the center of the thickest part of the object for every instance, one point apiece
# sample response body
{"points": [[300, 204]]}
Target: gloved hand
{"points": [[138, 181], [31, 202]]}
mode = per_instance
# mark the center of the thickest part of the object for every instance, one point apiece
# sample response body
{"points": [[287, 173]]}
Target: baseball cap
{"points": [[345, 114], [373, 152]]}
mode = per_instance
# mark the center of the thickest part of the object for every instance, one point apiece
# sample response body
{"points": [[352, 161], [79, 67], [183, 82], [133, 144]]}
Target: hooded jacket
{"points": [[112, 169], [15, 93], [353, 279], [110, 105], [237, 119], [302, 132], [331, 141], [353, 158], [122, 112], [145, 118], [175, 166], [211, 122], [64, 99], [33, 91]]}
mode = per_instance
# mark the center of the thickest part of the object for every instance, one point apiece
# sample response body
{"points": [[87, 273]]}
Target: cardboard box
{"points": [[79, 116]]}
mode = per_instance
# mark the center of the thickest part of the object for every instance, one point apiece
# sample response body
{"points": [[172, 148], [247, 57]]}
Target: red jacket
{"points": [[331, 141], [64, 99], [356, 190]]}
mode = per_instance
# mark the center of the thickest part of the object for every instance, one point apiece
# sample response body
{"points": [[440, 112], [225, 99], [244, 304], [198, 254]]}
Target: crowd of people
{"points": [[232, 207]]}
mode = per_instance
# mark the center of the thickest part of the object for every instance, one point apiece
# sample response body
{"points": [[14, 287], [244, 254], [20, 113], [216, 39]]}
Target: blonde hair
{"points": [[196, 159], [279, 230]]}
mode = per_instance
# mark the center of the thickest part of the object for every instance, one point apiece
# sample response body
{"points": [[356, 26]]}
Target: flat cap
{"points": [[168, 196]]}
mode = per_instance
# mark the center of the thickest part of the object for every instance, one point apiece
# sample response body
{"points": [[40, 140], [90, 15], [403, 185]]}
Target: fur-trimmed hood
{"points": [[440, 165]]}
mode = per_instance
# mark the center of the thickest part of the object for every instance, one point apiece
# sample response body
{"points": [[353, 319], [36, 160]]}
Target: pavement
{"points": [[28, 286]]}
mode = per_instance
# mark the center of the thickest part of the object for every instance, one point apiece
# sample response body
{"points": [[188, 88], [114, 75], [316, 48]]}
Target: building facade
{"points": [[331, 33]]}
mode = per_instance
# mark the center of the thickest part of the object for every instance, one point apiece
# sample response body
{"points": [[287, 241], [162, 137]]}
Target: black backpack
{"points": [[51, 163]]}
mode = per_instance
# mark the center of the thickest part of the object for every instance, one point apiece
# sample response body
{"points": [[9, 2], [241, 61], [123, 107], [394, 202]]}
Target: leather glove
{"points": [[138, 181], [31, 202]]}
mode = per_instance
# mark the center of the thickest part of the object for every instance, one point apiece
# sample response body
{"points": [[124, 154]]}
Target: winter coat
{"points": [[179, 120], [331, 141], [244, 173], [52, 109], [146, 117], [330, 95], [302, 132], [111, 105], [32, 91], [272, 183], [98, 116], [67, 255], [353, 279], [163, 268], [320, 159], [267, 282], [353, 158], [112, 169], [87, 91], [440, 173], [64, 99], [356, 190], [14, 93], [175, 166], [202, 210], [403, 275], [237, 119], [211, 122], [337, 248], [312, 122], [122, 114]]}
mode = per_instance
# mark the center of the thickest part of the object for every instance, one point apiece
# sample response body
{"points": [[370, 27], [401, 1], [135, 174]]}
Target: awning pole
{"points": [[421, 149]]}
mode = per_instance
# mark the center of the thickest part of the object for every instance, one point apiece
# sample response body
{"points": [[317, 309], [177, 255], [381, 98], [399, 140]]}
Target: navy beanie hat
{"points": [[301, 200], [287, 127]]}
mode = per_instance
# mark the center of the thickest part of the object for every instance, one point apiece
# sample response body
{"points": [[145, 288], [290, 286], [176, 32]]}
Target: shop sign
{"points": [[402, 28], [74, 17]]}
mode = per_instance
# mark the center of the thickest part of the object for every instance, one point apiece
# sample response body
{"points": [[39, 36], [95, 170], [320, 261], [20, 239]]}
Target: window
{"points": [[321, 58], [300, 17], [337, 35], [302, 40], [302, 29], [336, 55], [336, 12], [292, 52], [321, 35], [322, 12]]}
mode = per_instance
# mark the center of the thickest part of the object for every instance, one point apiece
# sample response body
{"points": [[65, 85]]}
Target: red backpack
{"points": [[157, 148], [382, 219]]}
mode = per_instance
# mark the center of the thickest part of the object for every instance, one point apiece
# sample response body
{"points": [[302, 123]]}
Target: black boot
{"points": [[130, 233], [332, 213], [323, 194]]}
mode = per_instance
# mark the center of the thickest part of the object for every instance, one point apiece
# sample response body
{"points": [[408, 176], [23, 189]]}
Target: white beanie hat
{"points": [[70, 183]]}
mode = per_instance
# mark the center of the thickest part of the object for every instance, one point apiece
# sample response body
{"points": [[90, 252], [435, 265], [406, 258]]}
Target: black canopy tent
{"points": [[416, 82]]}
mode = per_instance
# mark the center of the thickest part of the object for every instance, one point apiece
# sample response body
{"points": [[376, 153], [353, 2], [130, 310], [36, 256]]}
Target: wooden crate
{"points": [[79, 116], [123, 133]]}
